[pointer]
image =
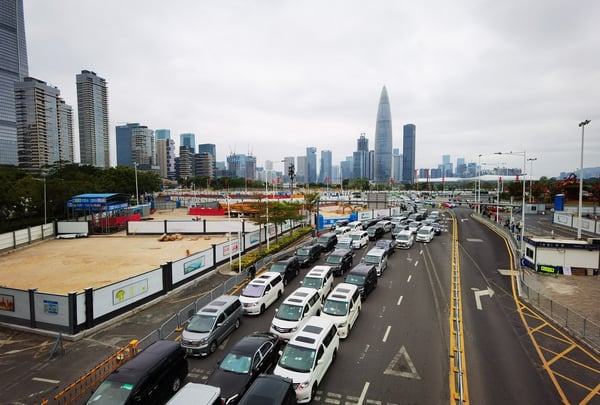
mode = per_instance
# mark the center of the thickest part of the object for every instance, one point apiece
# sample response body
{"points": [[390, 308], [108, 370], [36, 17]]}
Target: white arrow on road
{"points": [[478, 295]]}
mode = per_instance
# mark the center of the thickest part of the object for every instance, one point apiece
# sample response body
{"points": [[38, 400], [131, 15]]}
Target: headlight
{"points": [[303, 385], [203, 341]]}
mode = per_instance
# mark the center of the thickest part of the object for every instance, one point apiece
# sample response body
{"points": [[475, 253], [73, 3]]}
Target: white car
{"points": [[343, 306], [294, 312], [360, 239], [261, 292], [321, 279]]}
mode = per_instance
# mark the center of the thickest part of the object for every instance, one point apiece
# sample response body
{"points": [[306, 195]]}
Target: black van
{"points": [[308, 254], [327, 241], [364, 275], [151, 377], [288, 267], [270, 389]]}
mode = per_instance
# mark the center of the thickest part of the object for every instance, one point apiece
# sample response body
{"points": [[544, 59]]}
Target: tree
{"points": [[311, 200], [283, 211]]}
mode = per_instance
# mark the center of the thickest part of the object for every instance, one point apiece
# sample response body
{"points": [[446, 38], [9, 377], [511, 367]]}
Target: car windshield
{"points": [[355, 279], [402, 237], [356, 236], [335, 308], [201, 323], [382, 244], [372, 259], [236, 363], [302, 252], [111, 393], [323, 239], [278, 268], [289, 312], [312, 282], [253, 291], [334, 259], [344, 245], [297, 358]]}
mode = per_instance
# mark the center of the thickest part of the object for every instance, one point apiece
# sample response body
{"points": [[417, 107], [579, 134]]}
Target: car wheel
{"points": [[176, 384], [262, 308], [297, 271], [237, 323], [278, 294], [285, 282], [213, 346], [313, 392]]}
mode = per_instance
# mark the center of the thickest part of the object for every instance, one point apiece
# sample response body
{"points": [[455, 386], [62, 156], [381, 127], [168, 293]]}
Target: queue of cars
{"points": [[262, 366]]}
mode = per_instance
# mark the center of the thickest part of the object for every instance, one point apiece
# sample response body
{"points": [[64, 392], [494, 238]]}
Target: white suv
{"points": [[261, 292], [321, 279], [294, 311], [359, 239]]}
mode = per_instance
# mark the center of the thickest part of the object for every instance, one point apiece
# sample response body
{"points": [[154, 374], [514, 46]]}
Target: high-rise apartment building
{"points": [[301, 175], [325, 173], [13, 68], [210, 148], [165, 158], [162, 134], [383, 140], [204, 165], [409, 140], [188, 140], [311, 164], [44, 125], [360, 159], [135, 145], [288, 161], [92, 104]]}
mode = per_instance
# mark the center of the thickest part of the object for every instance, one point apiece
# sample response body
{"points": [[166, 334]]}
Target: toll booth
{"points": [[562, 256]]}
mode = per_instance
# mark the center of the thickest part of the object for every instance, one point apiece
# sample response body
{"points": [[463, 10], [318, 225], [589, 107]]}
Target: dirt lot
{"points": [[70, 265]]}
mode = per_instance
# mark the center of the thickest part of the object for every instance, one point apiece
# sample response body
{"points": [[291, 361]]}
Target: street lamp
{"points": [[267, 203], [479, 185], [137, 194], [582, 124], [531, 178]]}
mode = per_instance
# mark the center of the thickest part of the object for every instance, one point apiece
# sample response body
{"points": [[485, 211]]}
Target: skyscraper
{"points": [[44, 125], [360, 161], [383, 140], [162, 134], [211, 149], [13, 68], [325, 174], [135, 145], [92, 103], [409, 140], [311, 164], [397, 165], [188, 140]]}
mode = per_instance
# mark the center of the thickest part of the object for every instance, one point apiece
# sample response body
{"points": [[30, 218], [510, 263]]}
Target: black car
{"points": [[368, 222], [270, 389], [340, 260], [288, 267], [389, 245], [248, 358], [327, 241], [308, 254], [437, 229], [375, 231], [364, 275]]}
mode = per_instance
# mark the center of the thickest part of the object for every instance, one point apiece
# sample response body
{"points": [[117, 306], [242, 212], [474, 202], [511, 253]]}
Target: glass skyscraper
{"points": [[92, 103], [325, 174], [188, 140], [383, 140], [13, 68], [408, 148], [135, 145], [311, 164]]}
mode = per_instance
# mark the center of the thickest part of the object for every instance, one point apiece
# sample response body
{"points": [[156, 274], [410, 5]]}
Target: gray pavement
{"points": [[29, 375]]}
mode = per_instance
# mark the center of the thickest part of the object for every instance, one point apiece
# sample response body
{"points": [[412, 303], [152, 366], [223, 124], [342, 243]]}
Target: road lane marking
{"points": [[416, 263], [387, 333], [474, 240], [408, 279], [46, 380], [399, 301], [402, 366], [363, 394], [478, 295]]}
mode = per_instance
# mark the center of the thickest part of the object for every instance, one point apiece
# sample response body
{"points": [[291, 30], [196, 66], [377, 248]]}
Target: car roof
{"points": [[300, 295], [341, 252], [133, 371], [265, 388], [376, 251], [265, 278], [286, 259], [361, 268], [248, 344], [318, 270]]}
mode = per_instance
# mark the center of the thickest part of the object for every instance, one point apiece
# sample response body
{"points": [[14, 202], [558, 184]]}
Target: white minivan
{"points": [[308, 355], [378, 257], [425, 234], [321, 279], [343, 306], [294, 311], [261, 292], [359, 239]]}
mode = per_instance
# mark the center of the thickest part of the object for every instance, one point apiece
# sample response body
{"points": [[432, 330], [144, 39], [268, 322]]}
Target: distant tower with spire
{"points": [[383, 140]]}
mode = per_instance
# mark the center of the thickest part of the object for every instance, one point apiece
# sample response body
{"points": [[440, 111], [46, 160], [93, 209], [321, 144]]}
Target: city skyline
{"points": [[492, 83]]}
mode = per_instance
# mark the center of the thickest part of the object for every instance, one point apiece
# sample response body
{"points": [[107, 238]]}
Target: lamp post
{"points": [[229, 233], [582, 124], [137, 194], [479, 185], [531, 178], [267, 203], [240, 236]]}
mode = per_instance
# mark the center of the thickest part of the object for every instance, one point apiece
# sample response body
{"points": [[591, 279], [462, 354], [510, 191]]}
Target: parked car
{"points": [[340, 260], [308, 254], [386, 224], [294, 311], [288, 267], [151, 377], [414, 226], [364, 276], [388, 245], [246, 360], [211, 325], [342, 230], [261, 292], [327, 241], [321, 279], [270, 389], [356, 225], [197, 394], [343, 306]]}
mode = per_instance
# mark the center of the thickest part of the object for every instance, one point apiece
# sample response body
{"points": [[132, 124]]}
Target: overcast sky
{"points": [[271, 77]]}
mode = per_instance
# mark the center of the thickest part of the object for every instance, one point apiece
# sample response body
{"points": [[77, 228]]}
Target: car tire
{"points": [[262, 308], [313, 392], [237, 323], [213, 346], [176, 385]]}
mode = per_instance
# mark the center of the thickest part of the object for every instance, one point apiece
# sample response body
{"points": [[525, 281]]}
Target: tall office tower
{"points": [[311, 164], [92, 105], [243, 166], [135, 145], [250, 173], [13, 68], [461, 167], [301, 175], [188, 140], [44, 125], [162, 134], [396, 165], [360, 158], [346, 168], [383, 140], [287, 162], [212, 149], [165, 158], [325, 174], [409, 140], [446, 166], [204, 165]]}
